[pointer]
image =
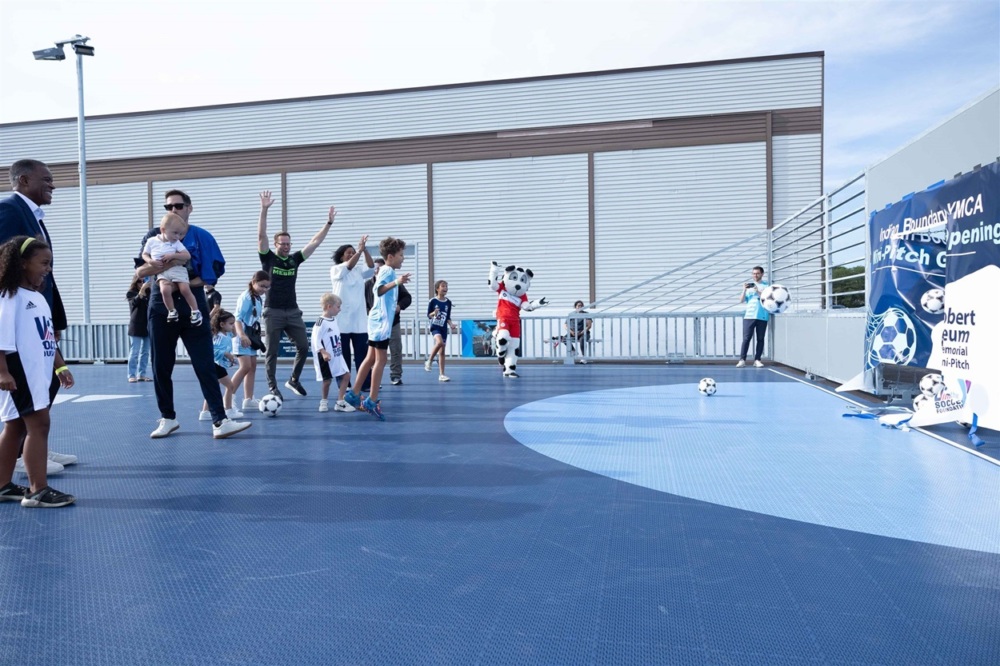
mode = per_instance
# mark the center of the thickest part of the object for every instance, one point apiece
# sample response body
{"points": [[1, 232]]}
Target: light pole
{"points": [[80, 46]]}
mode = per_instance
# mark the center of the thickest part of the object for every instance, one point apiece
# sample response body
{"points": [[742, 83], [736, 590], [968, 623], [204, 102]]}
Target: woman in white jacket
{"points": [[348, 281]]}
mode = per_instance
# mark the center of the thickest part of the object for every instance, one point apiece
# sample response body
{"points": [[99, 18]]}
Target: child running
{"points": [[328, 354], [439, 312], [379, 326], [249, 307], [223, 323], [165, 247], [28, 355]]}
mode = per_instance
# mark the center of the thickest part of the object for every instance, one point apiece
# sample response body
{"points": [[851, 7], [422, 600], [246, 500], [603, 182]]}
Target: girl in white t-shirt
{"points": [[28, 355], [347, 280]]}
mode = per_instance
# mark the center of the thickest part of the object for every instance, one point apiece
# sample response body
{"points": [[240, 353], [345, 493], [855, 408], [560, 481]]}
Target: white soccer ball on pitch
{"points": [[922, 402], [270, 405], [933, 301], [775, 299], [707, 386], [931, 385]]}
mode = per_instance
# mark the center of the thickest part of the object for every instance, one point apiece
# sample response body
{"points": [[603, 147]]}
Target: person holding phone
{"points": [[755, 317]]}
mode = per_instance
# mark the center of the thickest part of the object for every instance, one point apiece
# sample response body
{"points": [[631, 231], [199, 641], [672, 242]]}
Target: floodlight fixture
{"points": [[51, 53], [83, 49]]}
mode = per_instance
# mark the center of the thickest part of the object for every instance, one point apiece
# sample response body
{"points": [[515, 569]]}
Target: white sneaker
{"points": [[444, 378], [342, 406], [324, 406], [741, 364], [229, 428], [427, 365], [233, 413], [63, 459], [51, 467], [249, 404], [165, 428], [205, 416], [758, 364]]}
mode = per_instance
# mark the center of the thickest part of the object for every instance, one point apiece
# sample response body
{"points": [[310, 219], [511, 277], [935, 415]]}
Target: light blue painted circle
{"points": [[782, 449]]}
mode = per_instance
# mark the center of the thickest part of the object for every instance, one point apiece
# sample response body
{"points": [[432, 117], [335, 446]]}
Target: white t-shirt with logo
{"points": [[29, 341]]}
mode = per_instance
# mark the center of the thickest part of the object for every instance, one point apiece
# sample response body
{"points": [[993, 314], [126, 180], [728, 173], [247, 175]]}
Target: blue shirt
{"points": [[444, 312], [384, 307], [754, 309], [248, 309]]}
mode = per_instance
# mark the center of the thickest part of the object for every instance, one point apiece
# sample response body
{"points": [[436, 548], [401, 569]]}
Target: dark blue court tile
{"points": [[643, 654], [564, 614], [416, 644], [720, 658], [835, 584], [541, 648], [762, 631], [733, 573], [871, 640], [976, 643], [649, 619], [947, 603]]}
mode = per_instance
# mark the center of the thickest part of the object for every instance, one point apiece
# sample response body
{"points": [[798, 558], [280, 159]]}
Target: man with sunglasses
{"points": [[281, 310], [205, 267]]}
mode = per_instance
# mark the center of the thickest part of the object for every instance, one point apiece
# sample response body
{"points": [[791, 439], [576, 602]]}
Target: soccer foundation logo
{"points": [[893, 340], [47, 336]]}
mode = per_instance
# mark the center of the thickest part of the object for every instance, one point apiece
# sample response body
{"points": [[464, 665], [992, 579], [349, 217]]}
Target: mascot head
{"points": [[515, 280]]}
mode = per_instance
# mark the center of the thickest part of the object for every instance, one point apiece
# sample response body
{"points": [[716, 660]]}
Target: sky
{"points": [[894, 69]]}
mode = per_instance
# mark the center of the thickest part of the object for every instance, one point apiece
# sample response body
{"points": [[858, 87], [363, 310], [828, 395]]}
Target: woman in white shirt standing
{"points": [[348, 282]]}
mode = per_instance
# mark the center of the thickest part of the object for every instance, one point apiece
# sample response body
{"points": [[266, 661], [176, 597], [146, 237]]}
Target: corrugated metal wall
{"points": [[658, 209], [379, 202], [674, 92], [227, 207], [529, 211], [118, 217], [797, 182]]}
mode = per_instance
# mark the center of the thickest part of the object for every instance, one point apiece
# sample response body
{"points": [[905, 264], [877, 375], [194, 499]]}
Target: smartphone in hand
{"points": [[749, 285]]}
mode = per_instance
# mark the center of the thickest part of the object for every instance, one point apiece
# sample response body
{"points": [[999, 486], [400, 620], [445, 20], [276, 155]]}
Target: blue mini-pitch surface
{"points": [[437, 538]]}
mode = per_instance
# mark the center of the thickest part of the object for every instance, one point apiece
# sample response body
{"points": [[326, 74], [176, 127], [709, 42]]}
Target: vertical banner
{"points": [[966, 340], [906, 293]]}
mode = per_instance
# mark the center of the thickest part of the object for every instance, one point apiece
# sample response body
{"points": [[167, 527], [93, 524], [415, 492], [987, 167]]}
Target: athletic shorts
{"points": [[30, 396], [440, 330], [220, 372], [379, 344]]}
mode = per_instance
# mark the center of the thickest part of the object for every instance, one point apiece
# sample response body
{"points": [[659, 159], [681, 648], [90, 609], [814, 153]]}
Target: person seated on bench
{"points": [[578, 331]]}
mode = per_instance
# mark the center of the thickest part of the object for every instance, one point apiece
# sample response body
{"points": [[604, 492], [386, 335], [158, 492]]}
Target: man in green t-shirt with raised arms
{"points": [[281, 311]]}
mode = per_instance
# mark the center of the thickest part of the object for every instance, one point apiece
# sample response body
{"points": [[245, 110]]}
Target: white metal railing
{"points": [[613, 337]]}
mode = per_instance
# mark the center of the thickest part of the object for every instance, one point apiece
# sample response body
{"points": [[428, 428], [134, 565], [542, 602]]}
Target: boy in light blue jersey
{"points": [[386, 293], [754, 318]]}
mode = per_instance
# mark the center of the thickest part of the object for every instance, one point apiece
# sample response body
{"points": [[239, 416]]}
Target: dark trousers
{"points": [[396, 353], [288, 321], [358, 342], [163, 337], [752, 327]]}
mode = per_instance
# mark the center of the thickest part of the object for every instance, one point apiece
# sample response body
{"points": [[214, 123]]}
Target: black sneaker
{"points": [[397, 382], [47, 498], [296, 387], [13, 493], [273, 390]]}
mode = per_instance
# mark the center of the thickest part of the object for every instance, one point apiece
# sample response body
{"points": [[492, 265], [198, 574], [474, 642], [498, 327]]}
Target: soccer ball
{"points": [[933, 301], [270, 405], [707, 386], [895, 340], [931, 385], [775, 299], [922, 402]]}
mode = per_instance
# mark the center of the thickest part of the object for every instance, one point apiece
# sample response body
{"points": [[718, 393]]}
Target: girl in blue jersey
{"points": [[223, 324], [439, 312]]}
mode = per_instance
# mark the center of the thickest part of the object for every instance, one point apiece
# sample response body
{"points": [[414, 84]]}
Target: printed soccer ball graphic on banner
{"points": [[922, 402], [707, 386], [270, 405], [894, 341], [931, 385], [775, 299], [933, 301]]}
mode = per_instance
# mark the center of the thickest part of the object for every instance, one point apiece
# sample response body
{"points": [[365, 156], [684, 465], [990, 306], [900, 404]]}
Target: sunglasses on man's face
{"points": [[177, 206]]}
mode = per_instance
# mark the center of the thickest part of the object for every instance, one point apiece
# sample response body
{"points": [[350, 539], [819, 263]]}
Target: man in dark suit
{"points": [[21, 214]]}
